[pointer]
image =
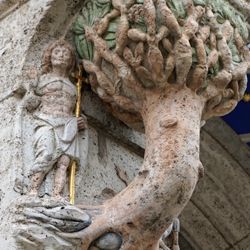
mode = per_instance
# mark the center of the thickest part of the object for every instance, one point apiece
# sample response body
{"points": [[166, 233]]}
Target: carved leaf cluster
{"points": [[131, 47]]}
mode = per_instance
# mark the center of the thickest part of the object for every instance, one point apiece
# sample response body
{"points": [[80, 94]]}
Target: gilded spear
{"points": [[77, 114]]}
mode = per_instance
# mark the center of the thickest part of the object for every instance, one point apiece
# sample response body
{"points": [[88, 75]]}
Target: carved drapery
{"points": [[165, 67]]}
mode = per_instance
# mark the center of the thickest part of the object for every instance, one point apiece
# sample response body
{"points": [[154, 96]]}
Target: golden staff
{"points": [[78, 114], [246, 97]]}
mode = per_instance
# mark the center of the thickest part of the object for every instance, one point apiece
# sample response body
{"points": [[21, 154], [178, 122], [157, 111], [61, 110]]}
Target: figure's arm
{"points": [[33, 98], [17, 90], [31, 101]]}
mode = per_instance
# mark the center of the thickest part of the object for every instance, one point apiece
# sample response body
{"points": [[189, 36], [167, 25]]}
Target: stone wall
{"points": [[218, 215]]}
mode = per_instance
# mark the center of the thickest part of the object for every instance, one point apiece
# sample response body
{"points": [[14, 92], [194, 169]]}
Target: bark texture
{"points": [[167, 178], [134, 46], [163, 67]]}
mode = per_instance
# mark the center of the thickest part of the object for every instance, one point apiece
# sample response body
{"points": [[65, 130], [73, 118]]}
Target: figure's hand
{"points": [[82, 123], [31, 102], [19, 90]]}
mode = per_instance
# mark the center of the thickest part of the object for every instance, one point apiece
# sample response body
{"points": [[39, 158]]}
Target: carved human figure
{"points": [[55, 138], [164, 67]]}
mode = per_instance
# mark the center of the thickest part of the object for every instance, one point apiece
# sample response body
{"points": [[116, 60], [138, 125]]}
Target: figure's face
{"points": [[60, 56]]}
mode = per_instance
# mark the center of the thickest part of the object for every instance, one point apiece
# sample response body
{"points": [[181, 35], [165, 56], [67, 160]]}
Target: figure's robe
{"points": [[54, 136]]}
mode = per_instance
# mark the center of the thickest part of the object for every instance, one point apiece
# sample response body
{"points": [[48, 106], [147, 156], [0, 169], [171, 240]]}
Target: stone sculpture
{"points": [[164, 67], [174, 65], [17, 91], [9, 6], [171, 235], [54, 99]]}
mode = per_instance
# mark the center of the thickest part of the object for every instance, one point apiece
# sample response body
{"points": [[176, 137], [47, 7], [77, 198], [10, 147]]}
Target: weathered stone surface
{"points": [[24, 32], [170, 70], [219, 208], [39, 222], [111, 144], [109, 241]]}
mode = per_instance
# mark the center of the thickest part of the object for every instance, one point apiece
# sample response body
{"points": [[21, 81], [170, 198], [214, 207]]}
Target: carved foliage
{"points": [[131, 46]]}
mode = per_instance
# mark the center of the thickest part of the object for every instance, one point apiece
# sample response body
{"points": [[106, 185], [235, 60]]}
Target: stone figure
{"points": [[55, 137], [163, 67], [16, 91], [9, 6]]}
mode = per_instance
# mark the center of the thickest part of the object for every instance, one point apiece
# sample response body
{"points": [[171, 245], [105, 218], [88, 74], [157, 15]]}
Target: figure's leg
{"points": [[36, 182], [43, 147], [61, 175]]}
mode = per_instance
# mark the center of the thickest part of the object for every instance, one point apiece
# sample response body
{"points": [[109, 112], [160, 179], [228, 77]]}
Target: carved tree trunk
{"points": [[167, 177], [169, 66]]}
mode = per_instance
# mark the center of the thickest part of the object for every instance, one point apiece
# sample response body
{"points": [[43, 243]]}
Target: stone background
{"points": [[218, 215]]}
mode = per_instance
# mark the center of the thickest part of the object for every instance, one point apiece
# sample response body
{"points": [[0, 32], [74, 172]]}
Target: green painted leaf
{"points": [[92, 11], [177, 7], [235, 52]]}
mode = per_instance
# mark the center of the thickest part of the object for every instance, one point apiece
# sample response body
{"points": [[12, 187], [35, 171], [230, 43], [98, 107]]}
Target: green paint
{"points": [[91, 12], [235, 52], [110, 34], [178, 8], [94, 10], [225, 11]]}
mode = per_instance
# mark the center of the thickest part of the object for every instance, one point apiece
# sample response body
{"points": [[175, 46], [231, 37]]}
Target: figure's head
{"points": [[58, 54]]}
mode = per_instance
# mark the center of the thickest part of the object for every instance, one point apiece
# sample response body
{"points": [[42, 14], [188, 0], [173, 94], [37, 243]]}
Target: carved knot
{"points": [[168, 123]]}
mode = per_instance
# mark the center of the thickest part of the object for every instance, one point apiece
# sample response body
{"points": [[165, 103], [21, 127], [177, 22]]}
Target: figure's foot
{"points": [[58, 197]]}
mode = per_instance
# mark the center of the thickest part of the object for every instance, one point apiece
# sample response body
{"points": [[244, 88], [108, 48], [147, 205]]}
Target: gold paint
{"points": [[246, 98], [78, 114], [72, 183]]}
